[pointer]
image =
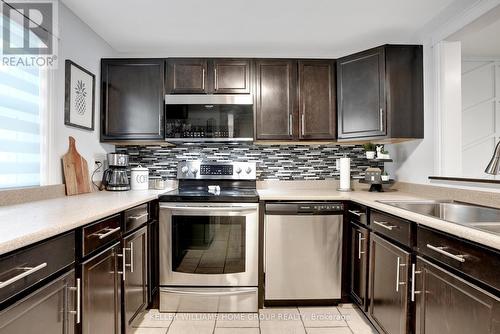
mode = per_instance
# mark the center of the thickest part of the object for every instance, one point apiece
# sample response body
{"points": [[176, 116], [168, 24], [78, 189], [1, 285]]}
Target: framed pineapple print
{"points": [[79, 99]]}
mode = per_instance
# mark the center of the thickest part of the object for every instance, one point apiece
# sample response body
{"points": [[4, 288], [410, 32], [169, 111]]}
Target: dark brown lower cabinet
{"points": [[359, 264], [101, 288], [446, 303], [47, 310], [388, 288], [135, 274]]}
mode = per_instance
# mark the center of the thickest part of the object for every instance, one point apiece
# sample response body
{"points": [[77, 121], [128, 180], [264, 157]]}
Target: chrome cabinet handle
{"points": [[139, 216], [124, 263], [77, 312], [131, 257], [356, 213], [290, 122], [384, 225], [413, 273], [28, 271], [398, 270], [381, 119], [360, 244], [441, 250], [108, 232], [303, 124], [203, 79], [216, 83]]}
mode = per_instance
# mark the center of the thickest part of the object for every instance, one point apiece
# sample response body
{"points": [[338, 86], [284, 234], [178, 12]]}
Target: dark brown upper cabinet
{"points": [[208, 76], [132, 99], [275, 109], [317, 105], [187, 76], [230, 76], [380, 93]]}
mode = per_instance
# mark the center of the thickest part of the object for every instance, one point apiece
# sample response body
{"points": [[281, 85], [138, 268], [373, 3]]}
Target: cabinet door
{"points": [[132, 99], [361, 95], [388, 291], [317, 99], [359, 264], [231, 76], [101, 294], [136, 281], [276, 99], [47, 310], [187, 76], [446, 303]]}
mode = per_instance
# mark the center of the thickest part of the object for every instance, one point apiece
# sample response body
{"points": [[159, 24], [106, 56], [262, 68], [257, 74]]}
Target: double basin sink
{"points": [[474, 216]]}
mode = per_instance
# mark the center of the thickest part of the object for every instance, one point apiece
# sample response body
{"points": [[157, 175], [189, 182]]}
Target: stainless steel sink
{"points": [[479, 217]]}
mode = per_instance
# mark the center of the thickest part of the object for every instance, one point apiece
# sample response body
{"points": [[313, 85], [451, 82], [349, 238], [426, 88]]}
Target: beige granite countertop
{"points": [[27, 223], [24, 224], [364, 197]]}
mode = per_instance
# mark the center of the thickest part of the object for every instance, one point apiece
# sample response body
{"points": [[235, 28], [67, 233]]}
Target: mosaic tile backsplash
{"points": [[278, 162]]}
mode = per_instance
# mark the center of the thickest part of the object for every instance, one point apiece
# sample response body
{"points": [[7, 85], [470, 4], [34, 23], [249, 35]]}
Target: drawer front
{"points": [[100, 233], [357, 213], [392, 227], [473, 260], [136, 217], [21, 270]]}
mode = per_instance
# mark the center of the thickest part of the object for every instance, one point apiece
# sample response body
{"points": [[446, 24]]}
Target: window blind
{"points": [[20, 116]]}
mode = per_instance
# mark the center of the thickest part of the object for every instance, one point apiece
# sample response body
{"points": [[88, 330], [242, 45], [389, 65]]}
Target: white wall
{"points": [[415, 161], [79, 43]]}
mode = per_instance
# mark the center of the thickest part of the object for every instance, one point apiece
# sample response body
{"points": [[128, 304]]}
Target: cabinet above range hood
{"points": [[208, 118]]}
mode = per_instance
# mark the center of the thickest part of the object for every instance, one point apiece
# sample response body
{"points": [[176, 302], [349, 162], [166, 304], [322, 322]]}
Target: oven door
{"points": [[214, 244]]}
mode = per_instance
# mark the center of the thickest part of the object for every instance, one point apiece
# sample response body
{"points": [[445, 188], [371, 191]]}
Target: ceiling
{"points": [[256, 28], [480, 38]]}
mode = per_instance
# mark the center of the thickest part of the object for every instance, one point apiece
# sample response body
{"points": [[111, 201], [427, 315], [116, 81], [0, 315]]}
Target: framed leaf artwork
{"points": [[79, 97]]}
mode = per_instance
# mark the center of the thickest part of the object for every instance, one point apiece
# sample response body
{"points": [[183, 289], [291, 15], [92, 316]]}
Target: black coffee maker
{"points": [[115, 178]]}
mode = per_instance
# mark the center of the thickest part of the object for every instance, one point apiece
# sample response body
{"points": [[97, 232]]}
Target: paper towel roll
{"points": [[345, 174]]}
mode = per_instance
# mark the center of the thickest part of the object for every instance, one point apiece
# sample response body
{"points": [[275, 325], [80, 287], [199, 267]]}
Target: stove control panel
{"points": [[207, 170]]}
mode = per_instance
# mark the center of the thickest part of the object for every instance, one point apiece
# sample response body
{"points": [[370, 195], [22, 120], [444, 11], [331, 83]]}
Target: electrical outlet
{"points": [[100, 158]]}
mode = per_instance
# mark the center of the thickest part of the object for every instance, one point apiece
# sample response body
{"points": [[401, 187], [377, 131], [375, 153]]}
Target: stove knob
{"points": [[248, 170], [194, 171], [238, 170], [184, 170]]}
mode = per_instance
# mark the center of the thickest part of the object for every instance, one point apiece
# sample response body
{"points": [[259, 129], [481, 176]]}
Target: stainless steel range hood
{"points": [[241, 99]]}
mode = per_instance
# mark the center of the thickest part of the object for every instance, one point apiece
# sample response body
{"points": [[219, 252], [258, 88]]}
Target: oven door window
{"points": [[208, 244]]}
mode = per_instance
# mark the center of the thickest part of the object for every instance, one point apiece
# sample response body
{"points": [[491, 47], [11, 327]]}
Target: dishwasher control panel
{"points": [[297, 208], [320, 207]]}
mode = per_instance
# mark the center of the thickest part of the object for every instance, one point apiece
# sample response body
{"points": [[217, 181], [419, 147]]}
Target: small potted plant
{"points": [[385, 176], [369, 150]]}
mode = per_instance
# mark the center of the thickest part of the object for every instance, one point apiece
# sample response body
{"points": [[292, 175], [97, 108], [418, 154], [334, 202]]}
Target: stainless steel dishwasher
{"points": [[303, 251]]}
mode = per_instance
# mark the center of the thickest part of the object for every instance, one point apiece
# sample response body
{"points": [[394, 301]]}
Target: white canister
{"points": [[139, 178]]}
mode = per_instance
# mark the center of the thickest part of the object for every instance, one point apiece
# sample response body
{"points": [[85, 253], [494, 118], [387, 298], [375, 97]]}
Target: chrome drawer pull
{"points": [[108, 232], [139, 216], [356, 213], [384, 225], [29, 271], [441, 250], [77, 313]]}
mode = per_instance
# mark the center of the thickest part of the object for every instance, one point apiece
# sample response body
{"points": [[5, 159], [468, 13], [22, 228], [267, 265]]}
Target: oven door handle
{"points": [[238, 209], [208, 293]]}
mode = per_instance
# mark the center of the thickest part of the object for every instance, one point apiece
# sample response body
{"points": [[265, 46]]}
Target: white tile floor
{"points": [[343, 319]]}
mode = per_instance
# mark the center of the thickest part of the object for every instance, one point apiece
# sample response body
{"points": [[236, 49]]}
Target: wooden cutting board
{"points": [[76, 171]]}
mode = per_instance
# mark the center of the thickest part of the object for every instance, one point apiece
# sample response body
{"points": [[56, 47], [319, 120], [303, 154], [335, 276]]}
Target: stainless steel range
{"points": [[209, 239]]}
